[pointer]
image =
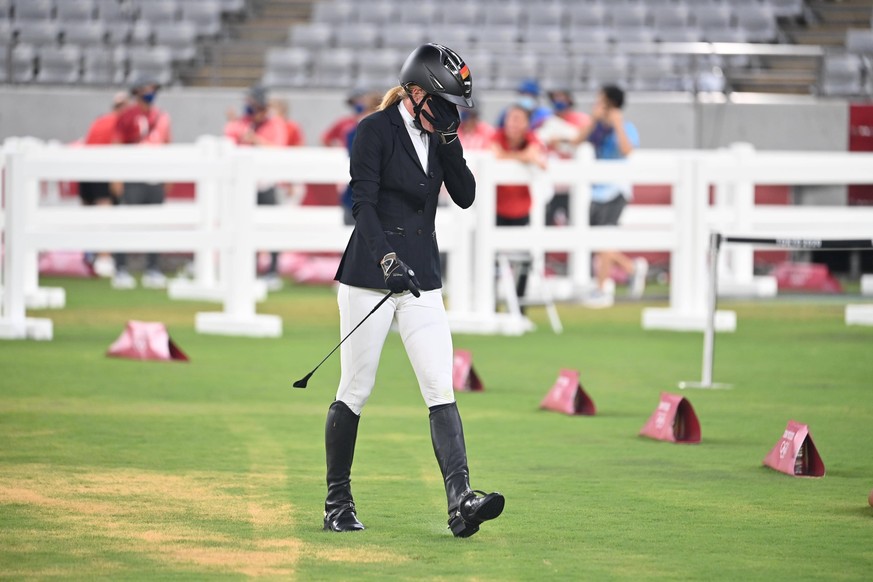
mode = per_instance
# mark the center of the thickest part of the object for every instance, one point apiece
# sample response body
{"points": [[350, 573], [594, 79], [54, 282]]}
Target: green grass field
{"points": [[119, 469]]}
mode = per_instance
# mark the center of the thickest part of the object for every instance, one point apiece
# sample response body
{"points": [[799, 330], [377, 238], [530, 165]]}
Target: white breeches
{"points": [[424, 330]]}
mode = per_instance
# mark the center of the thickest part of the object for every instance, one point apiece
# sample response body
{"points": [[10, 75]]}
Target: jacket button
{"points": [[418, 231], [430, 175], [420, 211]]}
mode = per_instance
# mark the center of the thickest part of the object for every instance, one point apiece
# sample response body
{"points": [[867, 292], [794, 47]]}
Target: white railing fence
{"points": [[224, 227]]}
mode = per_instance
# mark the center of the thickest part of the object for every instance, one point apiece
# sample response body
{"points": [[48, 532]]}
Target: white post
{"points": [[578, 208], [14, 323], [237, 223]]}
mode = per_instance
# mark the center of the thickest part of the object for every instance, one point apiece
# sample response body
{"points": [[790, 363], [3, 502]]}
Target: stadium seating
{"points": [[842, 74], [561, 35], [287, 67], [59, 65]]}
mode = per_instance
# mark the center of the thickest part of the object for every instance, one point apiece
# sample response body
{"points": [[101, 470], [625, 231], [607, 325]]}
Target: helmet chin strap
{"points": [[416, 108]]}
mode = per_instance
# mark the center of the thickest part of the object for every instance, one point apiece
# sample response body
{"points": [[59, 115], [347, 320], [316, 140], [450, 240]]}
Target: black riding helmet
{"points": [[439, 71]]}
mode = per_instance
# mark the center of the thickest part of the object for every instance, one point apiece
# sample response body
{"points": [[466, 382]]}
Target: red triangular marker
{"points": [[674, 420], [795, 453], [146, 340], [568, 396], [464, 377]]}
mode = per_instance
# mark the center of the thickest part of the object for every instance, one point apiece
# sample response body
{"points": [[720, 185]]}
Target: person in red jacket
{"points": [[279, 110], [141, 123], [103, 132], [260, 129], [516, 141]]}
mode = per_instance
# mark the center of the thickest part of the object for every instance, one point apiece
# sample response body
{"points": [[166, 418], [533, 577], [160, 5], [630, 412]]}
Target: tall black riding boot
{"points": [[340, 434], [467, 508]]}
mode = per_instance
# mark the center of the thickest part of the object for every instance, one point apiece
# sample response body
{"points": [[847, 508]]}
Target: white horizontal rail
{"points": [[223, 218]]}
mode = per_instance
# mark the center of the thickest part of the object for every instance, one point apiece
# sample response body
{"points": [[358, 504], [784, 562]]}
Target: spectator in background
{"points": [[516, 141], [474, 133], [142, 123], [529, 98], [279, 110], [557, 132], [613, 138], [371, 102], [103, 131], [337, 134], [257, 128]]}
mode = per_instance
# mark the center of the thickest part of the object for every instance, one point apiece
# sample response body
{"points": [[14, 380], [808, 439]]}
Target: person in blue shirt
{"points": [[613, 138]]}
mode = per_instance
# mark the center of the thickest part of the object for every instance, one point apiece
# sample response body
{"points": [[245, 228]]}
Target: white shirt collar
{"points": [[408, 118], [420, 139]]}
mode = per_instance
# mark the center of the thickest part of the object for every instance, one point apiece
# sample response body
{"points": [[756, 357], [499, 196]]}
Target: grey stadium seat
{"points": [[84, 33], [712, 16], [141, 32], [540, 37], [454, 37], [405, 37], [75, 10], [586, 15], [23, 62], [680, 34], [469, 14], [671, 16], [603, 69], [859, 41], [336, 12], [102, 67], [511, 70], [634, 34], [234, 7], [158, 11], [787, 8], [841, 75], [758, 22], [334, 68], [180, 38], [378, 12], [378, 68], [497, 37], [112, 11], [38, 31], [419, 13], [315, 35], [7, 33], [628, 14], [552, 14], [286, 67], [59, 65], [154, 62], [357, 35], [590, 38], [34, 9], [504, 14], [205, 15]]}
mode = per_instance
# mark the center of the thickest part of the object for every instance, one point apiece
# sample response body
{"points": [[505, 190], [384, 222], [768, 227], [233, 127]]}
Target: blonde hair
{"points": [[392, 97]]}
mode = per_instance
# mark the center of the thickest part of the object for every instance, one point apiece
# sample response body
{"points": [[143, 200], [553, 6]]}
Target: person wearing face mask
{"points": [[557, 132], [257, 128], [401, 156], [474, 133], [613, 138], [528, 97], [337, 134], [366, 105], [142, 123]]}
